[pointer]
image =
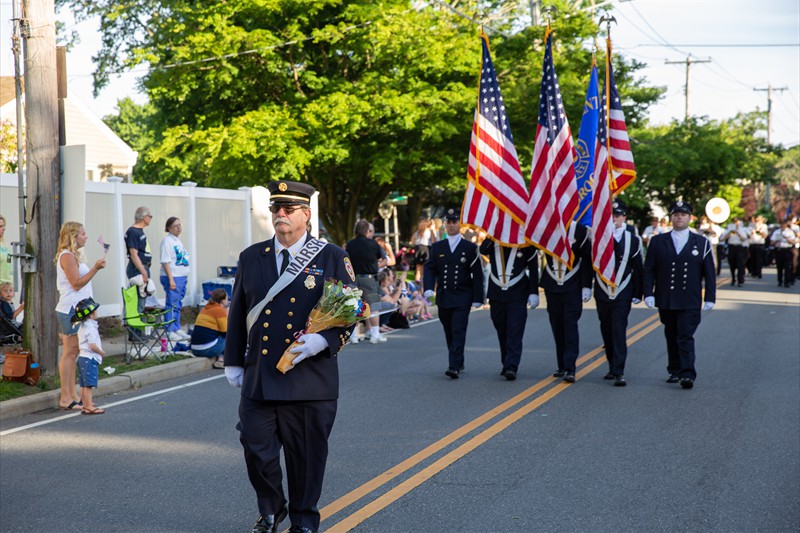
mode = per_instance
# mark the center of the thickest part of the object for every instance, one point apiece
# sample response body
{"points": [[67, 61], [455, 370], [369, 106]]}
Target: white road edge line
{"points": [[113, 404]]}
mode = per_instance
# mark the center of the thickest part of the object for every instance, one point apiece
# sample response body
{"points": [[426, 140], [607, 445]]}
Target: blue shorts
{"points": [[67, 327], [88, 372]]}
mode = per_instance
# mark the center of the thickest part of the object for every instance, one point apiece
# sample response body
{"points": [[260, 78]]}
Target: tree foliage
{"points": [[359, 98]]}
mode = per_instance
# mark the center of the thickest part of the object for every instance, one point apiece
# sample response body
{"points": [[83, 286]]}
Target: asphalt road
{"points": [[412, 450]]}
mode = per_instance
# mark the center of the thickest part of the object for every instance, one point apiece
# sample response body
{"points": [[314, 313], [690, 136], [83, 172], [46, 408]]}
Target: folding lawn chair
{"points": [[147, 332]]}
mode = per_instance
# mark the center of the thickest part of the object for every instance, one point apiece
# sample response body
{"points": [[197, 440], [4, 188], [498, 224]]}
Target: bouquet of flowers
{"points": [[340, 306]]}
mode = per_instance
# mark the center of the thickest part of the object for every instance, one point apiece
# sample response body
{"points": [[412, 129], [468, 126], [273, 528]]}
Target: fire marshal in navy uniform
{"points": [[513, 285], [454, 269], [566, 289], [676, 266], [614, 300], [277, 284]]}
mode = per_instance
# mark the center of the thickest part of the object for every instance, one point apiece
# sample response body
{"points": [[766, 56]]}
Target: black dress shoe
{"points": [[673, 378], [510, 375], [452, 373], [569, 377], [687, 383], [301, 529], [269, 523], [559, 374], [609, 375], [620, 382]]}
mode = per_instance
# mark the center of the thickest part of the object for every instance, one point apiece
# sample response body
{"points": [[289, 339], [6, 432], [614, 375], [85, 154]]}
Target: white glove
{"points": [[708, 306], [533, 301], [636, 301], [313, 343], [235, 375], [586, 294], [476, 304], [650, 301], [428, 294]]}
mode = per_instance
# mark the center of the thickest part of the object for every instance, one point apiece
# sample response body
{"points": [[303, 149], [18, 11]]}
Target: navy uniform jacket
{"points": [[522, 281], [678, 278], [459, 274], [629, 283], [581, 274], [315, 378]]}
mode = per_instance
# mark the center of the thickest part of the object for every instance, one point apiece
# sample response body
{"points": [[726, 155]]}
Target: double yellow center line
{"points": [[587, 365]]}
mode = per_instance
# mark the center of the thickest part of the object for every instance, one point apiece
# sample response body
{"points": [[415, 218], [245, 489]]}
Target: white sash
{"points": [[310, 250], [620, 285]]}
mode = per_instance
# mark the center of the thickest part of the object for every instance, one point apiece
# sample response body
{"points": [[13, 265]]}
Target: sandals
{"points": [[219, 365], [95, 411], [74, 406]]}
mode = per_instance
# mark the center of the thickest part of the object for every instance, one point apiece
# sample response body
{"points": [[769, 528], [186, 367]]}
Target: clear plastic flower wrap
{"points": [[338, 307]]}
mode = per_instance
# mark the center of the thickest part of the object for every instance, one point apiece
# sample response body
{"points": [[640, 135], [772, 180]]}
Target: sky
{"points": [[735, 35]]}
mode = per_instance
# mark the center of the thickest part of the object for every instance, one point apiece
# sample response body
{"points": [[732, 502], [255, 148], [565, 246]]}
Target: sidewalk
{"points": [[113, 346]]}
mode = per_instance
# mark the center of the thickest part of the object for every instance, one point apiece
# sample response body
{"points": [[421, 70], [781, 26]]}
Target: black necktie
{"points": [[286, 259]]}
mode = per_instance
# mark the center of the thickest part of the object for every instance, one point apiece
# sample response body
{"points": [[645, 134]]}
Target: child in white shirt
{"points": [[91, 353]]}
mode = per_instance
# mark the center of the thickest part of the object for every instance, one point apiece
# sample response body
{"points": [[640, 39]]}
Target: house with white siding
{"points": [[83, 128]]}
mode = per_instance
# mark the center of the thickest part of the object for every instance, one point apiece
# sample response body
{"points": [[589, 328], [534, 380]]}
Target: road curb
{"points": [[129, 380]]}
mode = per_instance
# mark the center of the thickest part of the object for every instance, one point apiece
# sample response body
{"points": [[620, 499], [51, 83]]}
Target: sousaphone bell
{"points": [[718, 210]]}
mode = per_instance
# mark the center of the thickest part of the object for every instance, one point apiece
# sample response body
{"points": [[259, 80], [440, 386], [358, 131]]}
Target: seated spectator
{"points": [[396, 293], [7, 303], [208, 336]]}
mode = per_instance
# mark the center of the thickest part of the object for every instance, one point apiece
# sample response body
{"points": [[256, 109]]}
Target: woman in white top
{"points": [[74, 283], [174, 274], [422, 239]]}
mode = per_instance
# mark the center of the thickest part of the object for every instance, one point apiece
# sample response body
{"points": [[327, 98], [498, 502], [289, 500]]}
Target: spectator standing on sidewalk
{"points": [[139, 256], [91, 353], [74, 283], [174, 275], [422, 239], [365, 254]]}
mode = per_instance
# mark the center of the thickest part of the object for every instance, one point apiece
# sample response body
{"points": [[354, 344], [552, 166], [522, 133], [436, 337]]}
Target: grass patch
{"points": [[10, 390]]}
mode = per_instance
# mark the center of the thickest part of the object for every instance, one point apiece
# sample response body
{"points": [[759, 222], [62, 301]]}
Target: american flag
{"points": [[554, 192], [496, 198], [620, 158], [603, 260]]}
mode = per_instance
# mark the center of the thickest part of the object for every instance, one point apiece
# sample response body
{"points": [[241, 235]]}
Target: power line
{"points": [[725, 45]]}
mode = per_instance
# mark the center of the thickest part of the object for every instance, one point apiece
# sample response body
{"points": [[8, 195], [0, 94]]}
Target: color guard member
{"points": [[676, 266], [614, 302], [454, 269], [566, 290], [513, 285]]}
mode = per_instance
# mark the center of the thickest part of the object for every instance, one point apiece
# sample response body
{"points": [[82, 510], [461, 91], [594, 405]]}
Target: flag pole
{"points": [[608, 19]]}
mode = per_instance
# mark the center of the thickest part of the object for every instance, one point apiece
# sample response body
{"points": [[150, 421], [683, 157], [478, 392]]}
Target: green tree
{"points": [[359, 98]]}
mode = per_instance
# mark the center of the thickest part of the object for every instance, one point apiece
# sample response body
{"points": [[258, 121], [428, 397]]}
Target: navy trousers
{"points": [[509, 320], [302, 429], [564, 310], [613, 316], [679, 328], [454, 322]]}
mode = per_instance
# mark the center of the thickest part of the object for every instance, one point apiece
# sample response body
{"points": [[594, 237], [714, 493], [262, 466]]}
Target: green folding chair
{"points": [[147, 332]]}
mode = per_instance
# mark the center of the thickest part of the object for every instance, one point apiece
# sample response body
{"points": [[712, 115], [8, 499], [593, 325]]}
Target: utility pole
{"points": [[769, 91], [688, 62], [42, 203]]}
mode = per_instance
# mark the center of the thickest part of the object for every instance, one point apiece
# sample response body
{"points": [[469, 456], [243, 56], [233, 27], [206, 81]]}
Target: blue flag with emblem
{"points": [[584, 150]]}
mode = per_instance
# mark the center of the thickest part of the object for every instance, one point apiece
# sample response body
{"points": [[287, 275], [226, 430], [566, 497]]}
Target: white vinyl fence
{"points": [[217, 225]]}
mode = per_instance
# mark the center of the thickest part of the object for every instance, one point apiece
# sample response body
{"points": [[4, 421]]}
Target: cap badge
{"points": [[282, 187], [679, 203]]}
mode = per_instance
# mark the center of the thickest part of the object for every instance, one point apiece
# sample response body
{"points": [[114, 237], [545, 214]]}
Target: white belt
{"points": [[561, 279], [505, 286]]}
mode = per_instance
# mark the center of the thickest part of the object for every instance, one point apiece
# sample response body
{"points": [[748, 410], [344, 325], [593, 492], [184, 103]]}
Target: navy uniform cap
{"points": [[452, 214], [680, 207], [290, 192], [618, 207]]}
